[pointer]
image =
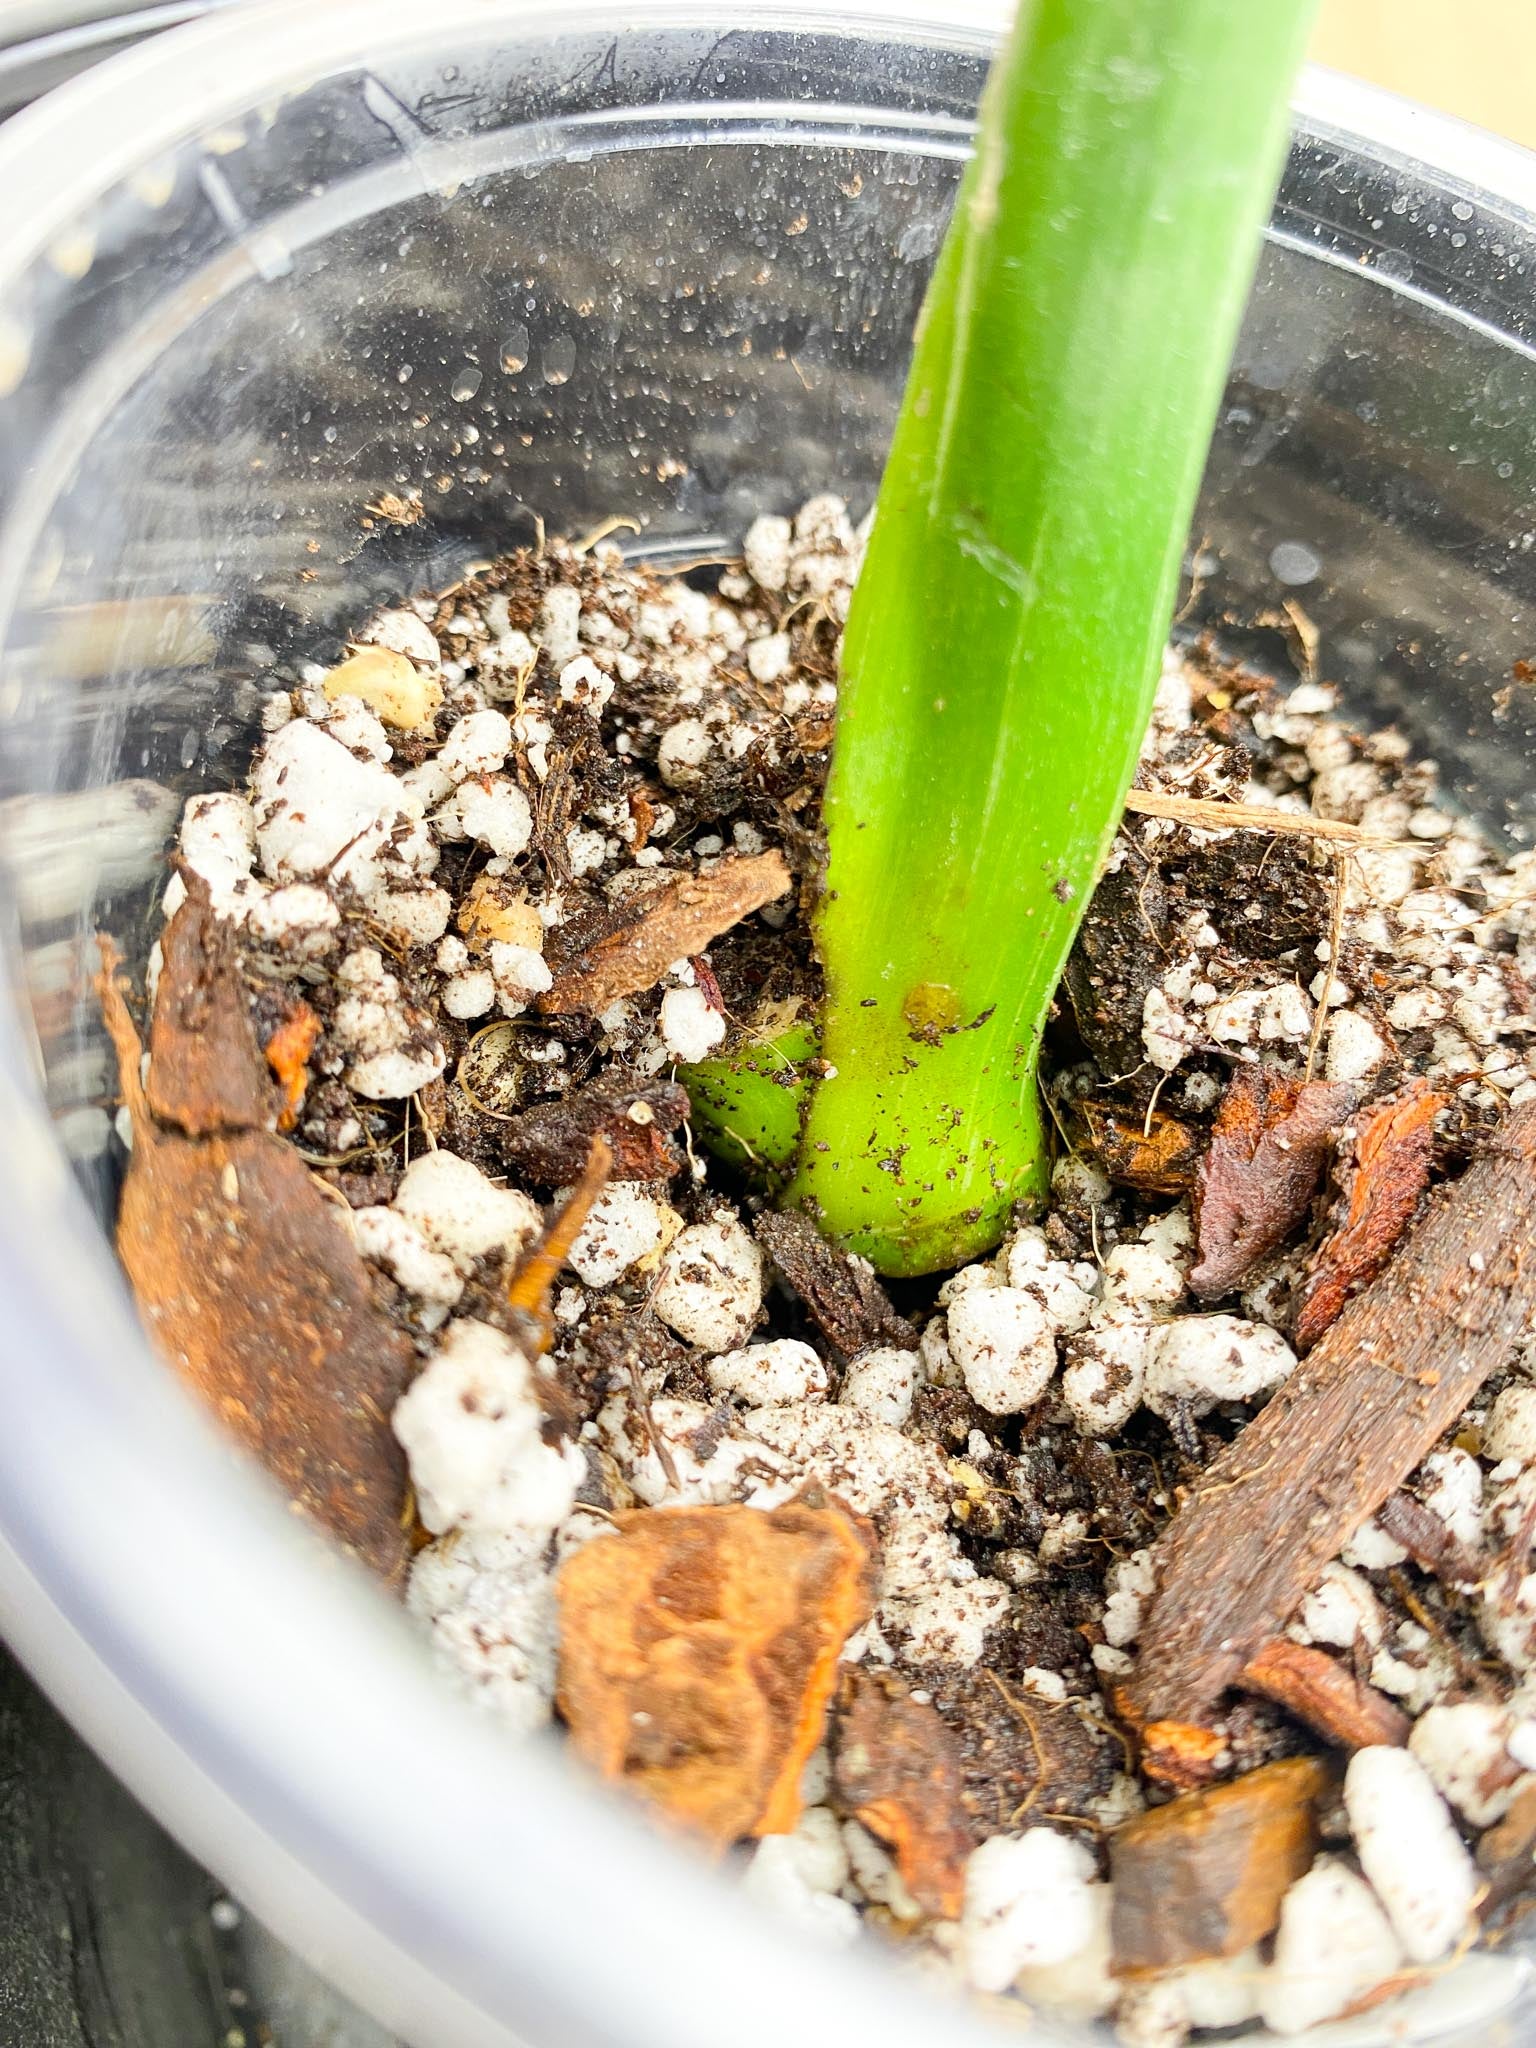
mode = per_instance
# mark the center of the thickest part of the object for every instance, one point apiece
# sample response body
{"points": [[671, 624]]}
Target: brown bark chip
{"points": [[698, 1652], [246, 1282], [1268, 1148], [1204, 1875], [205, 1069], [1382, 1181], [1506, 1855], [897, 1770], [1359, 1413], [840, 1292], [676, 921], [549, 1144], [1324, 1693]]}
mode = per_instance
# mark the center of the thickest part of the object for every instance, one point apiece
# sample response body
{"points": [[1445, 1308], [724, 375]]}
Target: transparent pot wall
{"points": [[338, 346]]}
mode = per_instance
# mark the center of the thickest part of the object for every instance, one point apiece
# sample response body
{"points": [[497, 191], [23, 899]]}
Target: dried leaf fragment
{"points": [[288, 1051], [1157, 1154], [698, 1652], [1204, 1875], [1324, 1693], [673, 923], [549, 1144], [897, 1769], [1382, 1181], [1268, 1149]]}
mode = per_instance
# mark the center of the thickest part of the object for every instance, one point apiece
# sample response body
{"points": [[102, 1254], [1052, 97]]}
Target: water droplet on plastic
{"points": [[1292, 561], [1463, 209], [514, 350], [329, 434], [1393, 263], [403, 374], [559, 359], [15, 353], [466, 384]]}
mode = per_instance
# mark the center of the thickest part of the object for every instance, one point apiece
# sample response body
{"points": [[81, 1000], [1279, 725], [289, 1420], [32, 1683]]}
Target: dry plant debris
{"points": [[677, 922], [698, 1654], [841, 1293], [1154, 1153], [1385, 1173], [1324, 1693], [550, 1142], [1268, 1147]]}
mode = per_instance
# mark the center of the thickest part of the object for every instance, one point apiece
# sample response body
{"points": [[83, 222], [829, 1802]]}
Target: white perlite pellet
{"points": [[797, 1878], [691, 1027], [393, 1048], [319, 810], [1204, 1360], [1106, 1373], [488, 1604], [1410, 1851], [471, 1425], [1080, 1987], [766, 550], [404, 633], [218, 842], [769, 1375], [1510, 1431], [1002, 1340], [1334, 1944], [1028, 1903], [881, 1384], [1462, 1749], [711, 1285], [461, 1213], [394, 1242], [628, 1221]]}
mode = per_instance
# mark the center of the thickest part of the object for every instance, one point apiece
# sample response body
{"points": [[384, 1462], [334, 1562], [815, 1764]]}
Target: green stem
{"points": [[1007, 628]]}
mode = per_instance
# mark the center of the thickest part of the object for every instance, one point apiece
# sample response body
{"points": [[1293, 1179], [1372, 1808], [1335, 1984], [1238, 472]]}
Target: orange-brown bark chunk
{"points": [[1157, 1153], [698, 1653], [897, 1770], [1324, 1693], [1382, 1182], [1204, 1875], [245, 1280]]}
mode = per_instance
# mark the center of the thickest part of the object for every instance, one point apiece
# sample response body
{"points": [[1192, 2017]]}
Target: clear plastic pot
{"points": [[523, 260]]}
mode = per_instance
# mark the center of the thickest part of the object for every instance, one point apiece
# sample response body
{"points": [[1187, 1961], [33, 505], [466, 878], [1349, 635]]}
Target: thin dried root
{"points": [[1218, 815]]}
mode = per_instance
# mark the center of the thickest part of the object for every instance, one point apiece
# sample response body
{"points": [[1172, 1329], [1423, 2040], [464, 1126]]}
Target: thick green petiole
{"points": [[1006, 632]]}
